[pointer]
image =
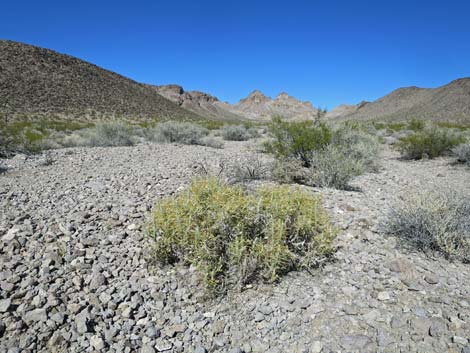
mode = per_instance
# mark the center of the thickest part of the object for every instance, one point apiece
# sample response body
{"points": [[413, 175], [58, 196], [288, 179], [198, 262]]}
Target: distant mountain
{"points": [[256, 106], [198, 102], [39, 82], [447, 103]]}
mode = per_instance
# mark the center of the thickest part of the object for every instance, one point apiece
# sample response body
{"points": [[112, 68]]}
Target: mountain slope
{"points": [[199, 102], [257, 105], [450, 102], [38, 81]]}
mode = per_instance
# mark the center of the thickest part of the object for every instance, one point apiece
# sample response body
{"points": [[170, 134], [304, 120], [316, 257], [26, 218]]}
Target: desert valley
{"points": [[141, 217]]}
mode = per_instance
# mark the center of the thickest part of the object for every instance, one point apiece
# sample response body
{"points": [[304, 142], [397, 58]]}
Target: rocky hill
{"points": [[38, 81], [199, 102], [255, 106], [447, 103]]}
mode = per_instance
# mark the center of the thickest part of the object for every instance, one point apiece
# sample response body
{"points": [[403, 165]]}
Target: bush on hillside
{"points": [[234, 238], [429, 143], [462, 152], [238, 133], [434, 220], [297, 139]]}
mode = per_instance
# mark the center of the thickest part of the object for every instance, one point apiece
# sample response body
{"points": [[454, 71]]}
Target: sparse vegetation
{"points": [[332, 157], [250, 168], [434, 220], [462, 152], [428, 143], [178, 132], [297, 139], [332, 167], [234, 237], [211, 141], [238, 132]]}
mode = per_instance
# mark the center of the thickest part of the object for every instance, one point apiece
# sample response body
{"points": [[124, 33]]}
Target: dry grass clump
{"points": [[238, 132], [104, 134], [178, 132], [462, 152], [234, 237], [249, 168], [434, 220]]}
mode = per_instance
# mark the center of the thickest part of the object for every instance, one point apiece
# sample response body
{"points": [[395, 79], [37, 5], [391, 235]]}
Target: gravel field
{"points": [[76, 274]]}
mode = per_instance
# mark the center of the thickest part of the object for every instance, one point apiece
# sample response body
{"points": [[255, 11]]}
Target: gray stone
{"points": [[438, 327], [200, 349], [355, 342], [163, 345], [459, 340], [265, 310], [36, 315], [97, 342], [5, 305], [97, 280], [316, 347], [82, 320], [148, 348]]}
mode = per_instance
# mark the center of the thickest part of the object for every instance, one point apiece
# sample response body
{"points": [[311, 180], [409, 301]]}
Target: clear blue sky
{"points": [[328, 52]]}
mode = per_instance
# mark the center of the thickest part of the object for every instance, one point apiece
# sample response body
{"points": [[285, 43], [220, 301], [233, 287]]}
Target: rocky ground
{"points": [[76, 277]]}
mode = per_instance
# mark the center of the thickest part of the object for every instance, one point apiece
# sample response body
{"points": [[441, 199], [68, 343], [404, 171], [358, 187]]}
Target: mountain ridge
{"points": [[450, 102]]}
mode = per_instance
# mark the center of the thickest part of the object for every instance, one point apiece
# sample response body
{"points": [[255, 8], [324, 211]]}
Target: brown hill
{"points": [[199, 102], [447, 103], [259, 106], [37, 81]]}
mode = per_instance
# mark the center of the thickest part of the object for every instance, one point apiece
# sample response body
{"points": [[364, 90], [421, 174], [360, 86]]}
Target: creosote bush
{"points": [[429, 143], [297, 139], [238, 132], [434, 221], [234, 237], [462, 152], [329, 157]]}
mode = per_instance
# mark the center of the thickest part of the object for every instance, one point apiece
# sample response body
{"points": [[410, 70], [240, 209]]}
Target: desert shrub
{"points": [[360, 146], [104, 134], [297, 139], [211, 141], [416, 125], [332, 167], [428, 143], [249, 168], [234, 237], [211, 124], [178, 132], [433, 220], [289, 170], [394, 127], [238, 132], [462, 152]]}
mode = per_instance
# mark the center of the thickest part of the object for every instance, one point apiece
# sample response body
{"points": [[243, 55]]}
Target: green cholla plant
{"points": [[234, 237]]}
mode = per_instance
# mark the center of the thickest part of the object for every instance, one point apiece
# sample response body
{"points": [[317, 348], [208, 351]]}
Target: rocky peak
{"points": [[255, 97]]}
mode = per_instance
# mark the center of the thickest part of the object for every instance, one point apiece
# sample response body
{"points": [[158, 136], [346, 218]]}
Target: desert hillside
{"points": [[40, 81], [447, 103]]}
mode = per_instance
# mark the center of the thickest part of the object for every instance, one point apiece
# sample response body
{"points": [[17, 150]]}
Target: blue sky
{"points": [[328, 52]]}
